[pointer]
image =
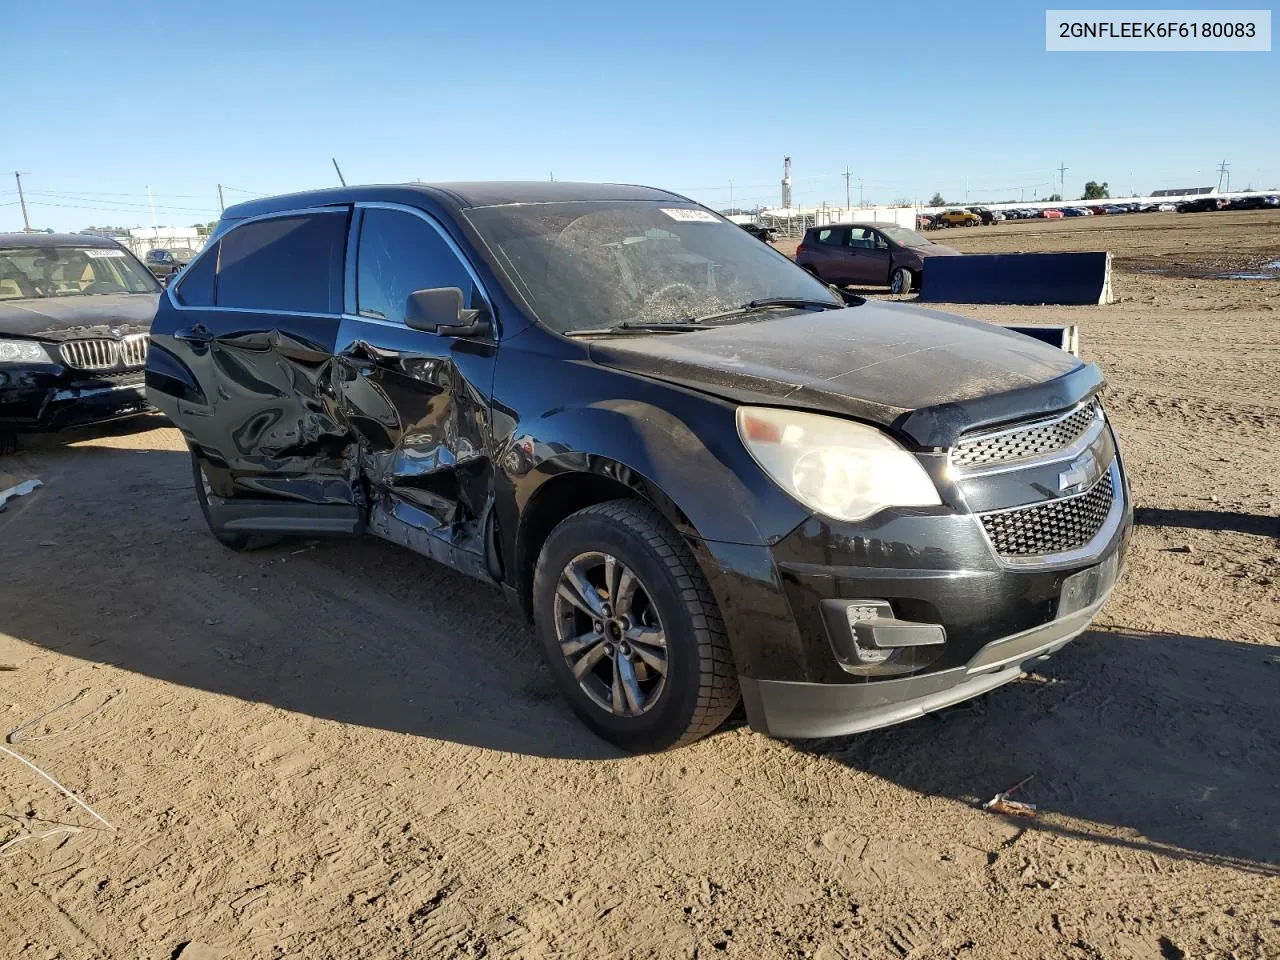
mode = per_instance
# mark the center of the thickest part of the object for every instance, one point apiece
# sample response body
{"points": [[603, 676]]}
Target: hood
{"points": [[936, 250], [72, 318], [925, 375]]}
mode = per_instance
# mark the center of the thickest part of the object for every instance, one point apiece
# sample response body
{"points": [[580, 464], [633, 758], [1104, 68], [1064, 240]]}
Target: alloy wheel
{"points": [[610, 634]]}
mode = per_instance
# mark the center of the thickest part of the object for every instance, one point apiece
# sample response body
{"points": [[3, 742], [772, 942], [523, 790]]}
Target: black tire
{"points": [[232, 541], [901, 281], [700, 687]]}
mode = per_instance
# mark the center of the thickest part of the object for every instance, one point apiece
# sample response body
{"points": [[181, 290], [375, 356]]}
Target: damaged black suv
{"points": [[701, 473]]}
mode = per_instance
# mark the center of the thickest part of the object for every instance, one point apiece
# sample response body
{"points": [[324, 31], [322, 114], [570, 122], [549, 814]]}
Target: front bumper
{"points": [[795, 709], [43, 398], [934, 568]]}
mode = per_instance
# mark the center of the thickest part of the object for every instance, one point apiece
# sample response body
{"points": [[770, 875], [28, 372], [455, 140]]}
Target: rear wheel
{"points": [[232, 541], [631, 630], [901, 280]]}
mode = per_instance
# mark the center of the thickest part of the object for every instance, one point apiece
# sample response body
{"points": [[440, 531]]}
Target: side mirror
{"points": [[439, 310]]}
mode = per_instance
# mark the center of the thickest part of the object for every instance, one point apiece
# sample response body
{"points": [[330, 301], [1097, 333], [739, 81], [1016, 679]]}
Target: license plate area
{"points": [[1087, 587]]}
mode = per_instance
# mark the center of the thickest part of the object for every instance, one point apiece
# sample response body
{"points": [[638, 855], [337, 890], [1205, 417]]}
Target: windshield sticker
{"points": [[101, 254], [691, 216]]}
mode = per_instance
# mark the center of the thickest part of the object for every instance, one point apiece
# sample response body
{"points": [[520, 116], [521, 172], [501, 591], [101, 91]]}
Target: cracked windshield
{"points": [[599, 265]]}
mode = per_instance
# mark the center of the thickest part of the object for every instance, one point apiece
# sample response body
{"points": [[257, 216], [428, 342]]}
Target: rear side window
{"points": [[285, 263], [400, 253], [196, 286], [831, 237]]}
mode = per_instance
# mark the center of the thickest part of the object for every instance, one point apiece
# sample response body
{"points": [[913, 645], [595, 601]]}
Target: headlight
{"points": [[23, 351], [841, 469]]}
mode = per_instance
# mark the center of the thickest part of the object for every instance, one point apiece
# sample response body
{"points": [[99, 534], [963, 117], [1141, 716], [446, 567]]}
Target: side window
{"points": [[285, 263], [831, 237], [400, 253], [196, 288], [862, 238]]}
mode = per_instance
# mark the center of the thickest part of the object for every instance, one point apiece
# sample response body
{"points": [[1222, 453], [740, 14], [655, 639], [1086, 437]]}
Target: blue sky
{"points": [[913, 98]]}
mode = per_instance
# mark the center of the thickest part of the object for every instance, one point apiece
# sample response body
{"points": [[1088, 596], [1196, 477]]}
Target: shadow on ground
{"points": [[1209, 520], [1164, 737], [1160, 741]]}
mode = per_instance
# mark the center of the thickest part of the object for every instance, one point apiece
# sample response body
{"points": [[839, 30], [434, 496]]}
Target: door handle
{"points": [[197, 334]]}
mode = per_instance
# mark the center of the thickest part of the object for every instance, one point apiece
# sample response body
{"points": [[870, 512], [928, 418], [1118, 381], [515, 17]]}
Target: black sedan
{"points": [[75, 312], [704, 475]]}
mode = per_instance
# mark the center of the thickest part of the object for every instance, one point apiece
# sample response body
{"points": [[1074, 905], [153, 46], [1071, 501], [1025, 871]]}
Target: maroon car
{"points": [[868, 253]]}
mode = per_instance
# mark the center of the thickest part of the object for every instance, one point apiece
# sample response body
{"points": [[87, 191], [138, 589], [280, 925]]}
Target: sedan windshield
{"points": [[595, 265], [42, 272], [906, 238]]}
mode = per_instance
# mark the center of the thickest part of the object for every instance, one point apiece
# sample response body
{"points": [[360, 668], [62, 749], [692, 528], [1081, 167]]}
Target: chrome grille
{"points": [[133, 350], [104, 354], [1054, 527], [1027, 441]]}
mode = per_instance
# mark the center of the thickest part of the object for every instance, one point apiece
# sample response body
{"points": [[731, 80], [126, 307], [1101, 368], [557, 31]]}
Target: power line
{"points": [[1224, 169]]}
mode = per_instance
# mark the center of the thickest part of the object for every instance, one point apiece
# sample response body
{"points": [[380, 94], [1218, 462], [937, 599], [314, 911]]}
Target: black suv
{"points": [[699, 471], [74, 315], [166, 263]]}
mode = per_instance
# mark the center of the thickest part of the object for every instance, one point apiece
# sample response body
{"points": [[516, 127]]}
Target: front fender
{"points": [[683, 455]]}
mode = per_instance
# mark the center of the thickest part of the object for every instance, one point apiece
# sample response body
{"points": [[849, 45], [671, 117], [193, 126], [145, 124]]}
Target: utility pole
{"points": [[730, 194], [221, 206], [847, 175], [1224, 170], [861, 202], [1062, 180], [26, 224]]}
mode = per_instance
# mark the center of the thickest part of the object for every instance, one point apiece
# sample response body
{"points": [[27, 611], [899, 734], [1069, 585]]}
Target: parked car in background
{"points": [[1257, 202], [1051, 214], [1201, 205], [987, 217], [704, 476], [75, 311], [1074, 212], [925, 222], [765, 234], [868, 253], [958, 218], [165, 263]]}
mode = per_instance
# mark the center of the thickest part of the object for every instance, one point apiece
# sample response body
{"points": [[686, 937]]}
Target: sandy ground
{"points": [[342, 750]]}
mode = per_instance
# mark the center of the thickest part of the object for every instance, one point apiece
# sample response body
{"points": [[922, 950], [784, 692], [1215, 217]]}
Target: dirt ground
{"points": [[340, 750]]}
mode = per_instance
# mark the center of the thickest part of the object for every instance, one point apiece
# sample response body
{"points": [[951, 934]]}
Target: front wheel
{"points": [[631, 630], [900, 281]]}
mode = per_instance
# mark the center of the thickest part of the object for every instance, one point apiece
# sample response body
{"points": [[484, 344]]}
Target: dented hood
{"points": [[71, 318], [925, 375]]}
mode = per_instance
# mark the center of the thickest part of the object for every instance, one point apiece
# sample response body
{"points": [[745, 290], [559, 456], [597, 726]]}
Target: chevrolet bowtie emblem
{"points": [[1082, 472]]}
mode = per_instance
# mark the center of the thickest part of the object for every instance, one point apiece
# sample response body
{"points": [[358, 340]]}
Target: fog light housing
{"points": [[868, 640]]}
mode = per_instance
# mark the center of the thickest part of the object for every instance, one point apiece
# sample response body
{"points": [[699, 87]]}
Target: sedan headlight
{"points": [[23, 351], [841, 469]]}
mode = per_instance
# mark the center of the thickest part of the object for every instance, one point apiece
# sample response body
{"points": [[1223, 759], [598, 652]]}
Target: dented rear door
{"points": [[418, 402]]}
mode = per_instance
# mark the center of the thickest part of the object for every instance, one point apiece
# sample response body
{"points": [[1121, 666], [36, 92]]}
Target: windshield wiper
{"points": [[764, 304], [683, 326], [790, 302]]}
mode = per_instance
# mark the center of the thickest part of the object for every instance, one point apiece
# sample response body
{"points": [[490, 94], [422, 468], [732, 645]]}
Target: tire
{"points": [[901, 280], [232, 541], [642, 708]]}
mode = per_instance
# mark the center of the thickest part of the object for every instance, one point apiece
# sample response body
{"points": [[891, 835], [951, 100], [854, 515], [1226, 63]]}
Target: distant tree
{"points": [[1055, 198], [937, 201], [1095, 191]]}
